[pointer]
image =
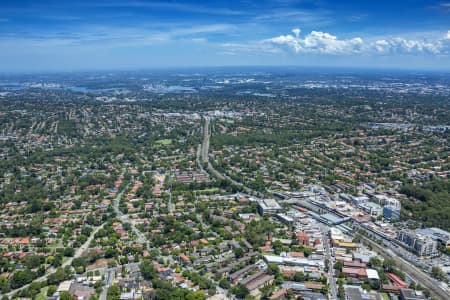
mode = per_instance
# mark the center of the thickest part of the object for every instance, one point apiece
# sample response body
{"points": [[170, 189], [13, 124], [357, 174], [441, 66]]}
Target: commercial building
{"points": [[437, 234], [422, 245], [391, 212], [409, 294], [386, 201], [336, 234], [332, 219], [268, 206], [356, 293], [294, 261], [371, 208], [358, 201], [285, 219]]}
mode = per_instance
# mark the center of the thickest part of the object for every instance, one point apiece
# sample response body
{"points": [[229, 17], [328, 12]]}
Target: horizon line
{"points": [[192, 68]]}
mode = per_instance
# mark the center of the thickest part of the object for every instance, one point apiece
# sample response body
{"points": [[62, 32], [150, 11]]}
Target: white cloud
{"points": [[112, 36], [442, 7], [313, 18], [326, 43], [400, 45], [212, 28], [236, 48], [318, 42], [199, 40]]}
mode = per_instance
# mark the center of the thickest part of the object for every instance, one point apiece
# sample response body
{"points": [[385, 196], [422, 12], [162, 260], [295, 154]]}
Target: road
{"points": [[83, 247], [205, 144], [199, 157], [110, 274], [205, 159], [170, 206], [68, 262], [415, 273], [331, 279], [141, 239], [109, 278], [78, 252]]}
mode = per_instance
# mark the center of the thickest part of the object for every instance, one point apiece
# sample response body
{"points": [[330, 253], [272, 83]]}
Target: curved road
{"points": [[68, 262], [141, 239], [204, 149]]}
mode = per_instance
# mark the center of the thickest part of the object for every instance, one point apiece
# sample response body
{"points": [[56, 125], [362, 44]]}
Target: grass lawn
{"points": [[164, 142], [42, 295], [385, 296], [210, 190], [56, 244]]}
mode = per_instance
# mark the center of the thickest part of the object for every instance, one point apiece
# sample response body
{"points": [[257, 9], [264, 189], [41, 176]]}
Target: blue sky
{"points": [[137, 34]]}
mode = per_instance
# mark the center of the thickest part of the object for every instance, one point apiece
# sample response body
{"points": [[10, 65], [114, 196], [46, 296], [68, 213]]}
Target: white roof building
{"points": [[64, 286], [293, 261], [372, 274], [336, 234], [268, 206]]}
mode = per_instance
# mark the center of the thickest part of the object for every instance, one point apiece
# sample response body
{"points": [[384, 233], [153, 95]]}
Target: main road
{"points": [[204, 150], [331, 278], [205, 144], [415, 273]]}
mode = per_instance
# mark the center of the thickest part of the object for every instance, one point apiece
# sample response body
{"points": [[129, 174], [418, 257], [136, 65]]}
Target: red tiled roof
{"points": [[361, 272], [354, 264]]}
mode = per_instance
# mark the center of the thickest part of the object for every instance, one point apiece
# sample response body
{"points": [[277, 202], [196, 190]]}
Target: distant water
{"points": [[16, 86], [11, 86], [82, 89], [170, 89]]}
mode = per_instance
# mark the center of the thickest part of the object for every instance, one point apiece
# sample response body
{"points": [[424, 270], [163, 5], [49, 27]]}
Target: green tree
{"points": [[375, 262], [273, 269], [113, 292], [223, 283], [66, 296], [240, 291], [69, 252], [4, 285], [20, 278], [148, 270], [338, 265], [51, 290], [238, 252], [388, 263], [438, 273]]}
